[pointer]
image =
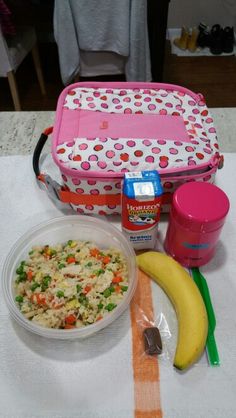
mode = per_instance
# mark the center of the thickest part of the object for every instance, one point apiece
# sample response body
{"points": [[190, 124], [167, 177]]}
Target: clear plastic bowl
{"points": [[59, 230]]}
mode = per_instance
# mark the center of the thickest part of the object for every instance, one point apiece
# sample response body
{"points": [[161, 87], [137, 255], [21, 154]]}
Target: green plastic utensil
{"points": [[211, 347]]}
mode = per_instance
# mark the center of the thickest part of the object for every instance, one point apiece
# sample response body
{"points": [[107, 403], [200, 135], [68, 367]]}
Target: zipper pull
{"points": [[221, 161], [218, 160]]}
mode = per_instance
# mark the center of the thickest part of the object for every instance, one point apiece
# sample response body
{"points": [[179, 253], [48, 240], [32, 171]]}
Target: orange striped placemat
{"points": [[145, 367]]}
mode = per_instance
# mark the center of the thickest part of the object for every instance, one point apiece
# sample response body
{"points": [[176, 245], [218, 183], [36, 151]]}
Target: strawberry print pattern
{"points": [[106, 154]]}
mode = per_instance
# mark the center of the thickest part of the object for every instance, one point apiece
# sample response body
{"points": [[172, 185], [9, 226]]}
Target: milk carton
{"points": [[141, 206]]}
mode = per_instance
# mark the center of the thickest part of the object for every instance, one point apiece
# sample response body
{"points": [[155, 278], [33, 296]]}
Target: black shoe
{"points": [[202, 27], [203, 39], [216, 40], [228, 40]]}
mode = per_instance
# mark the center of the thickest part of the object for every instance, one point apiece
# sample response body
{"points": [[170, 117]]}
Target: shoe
{"points": [[202, 27], [192, 40], [203, 39], [228, 40], [182, 42], [216, 40]]}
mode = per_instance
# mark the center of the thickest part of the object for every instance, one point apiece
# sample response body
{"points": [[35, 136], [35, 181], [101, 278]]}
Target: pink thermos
{"points": [[197, 216]]}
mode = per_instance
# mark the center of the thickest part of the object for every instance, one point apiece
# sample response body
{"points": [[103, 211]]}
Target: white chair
{"points": [[13, 50]]}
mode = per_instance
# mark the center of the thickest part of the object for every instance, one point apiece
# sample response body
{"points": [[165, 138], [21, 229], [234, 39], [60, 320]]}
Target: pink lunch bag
{"points": [[104, 129]]}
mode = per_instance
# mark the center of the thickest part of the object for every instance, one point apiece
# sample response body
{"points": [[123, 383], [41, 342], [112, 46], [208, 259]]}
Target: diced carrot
{"points": [[117, 289], [99, 318], [38, 298], [30, 275], [42, 299], [70, 260], [70, 319], [69, 326], [94, 252], [117, 279], [87, 289], [106, 259]]}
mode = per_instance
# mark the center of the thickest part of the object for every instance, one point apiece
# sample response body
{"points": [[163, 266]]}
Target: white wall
{"points": [[191, 12]]}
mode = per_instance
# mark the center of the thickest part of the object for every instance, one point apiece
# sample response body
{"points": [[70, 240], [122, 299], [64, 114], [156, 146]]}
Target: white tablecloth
{"points": [[94, 378]]}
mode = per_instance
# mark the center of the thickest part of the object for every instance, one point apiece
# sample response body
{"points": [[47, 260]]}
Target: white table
{"points": [[40, 378]]}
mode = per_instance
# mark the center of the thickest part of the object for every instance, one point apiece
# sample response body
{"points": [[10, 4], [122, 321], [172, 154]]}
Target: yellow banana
{"points": [[187, 301]]}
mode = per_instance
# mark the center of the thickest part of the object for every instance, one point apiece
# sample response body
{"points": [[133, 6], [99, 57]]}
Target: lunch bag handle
{"points": [[53, 188], [57, 191], [38, 149]]}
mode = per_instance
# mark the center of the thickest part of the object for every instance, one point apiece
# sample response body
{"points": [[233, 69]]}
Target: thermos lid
{"points": [[200, 206]]}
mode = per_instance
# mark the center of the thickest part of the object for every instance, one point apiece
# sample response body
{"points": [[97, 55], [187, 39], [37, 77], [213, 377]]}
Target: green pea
{"points": [[47, 279], [60, 294], [110, 306], [61, 265], [22, 277], [19, 298], [45, 283], [112, 289], [98, 272], [124, 288], [100, 306], [34, 286], [20, 269], [107, 293], [89, 264], [83, 300], [69, 242], [78, 288]]}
